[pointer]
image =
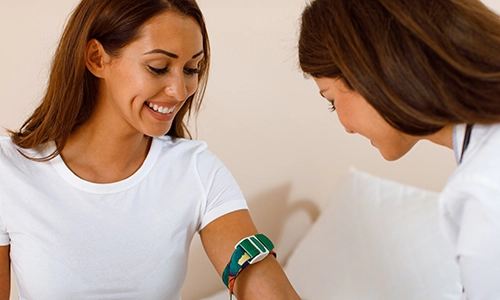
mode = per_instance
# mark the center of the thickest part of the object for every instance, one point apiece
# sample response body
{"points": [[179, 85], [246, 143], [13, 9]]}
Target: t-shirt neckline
{"points": [[106, 188]]}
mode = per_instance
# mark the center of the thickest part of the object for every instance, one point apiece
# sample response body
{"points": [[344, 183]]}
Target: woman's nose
{"points": [[176, 87]]}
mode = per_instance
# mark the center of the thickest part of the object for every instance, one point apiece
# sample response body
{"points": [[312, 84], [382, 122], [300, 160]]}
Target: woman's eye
{"points": [[158, 71], [187, 71], [191, 71]]}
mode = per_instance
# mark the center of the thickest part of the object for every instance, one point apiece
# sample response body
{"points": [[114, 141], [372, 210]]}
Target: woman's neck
{"points": [[104, 155], [443, 137]]}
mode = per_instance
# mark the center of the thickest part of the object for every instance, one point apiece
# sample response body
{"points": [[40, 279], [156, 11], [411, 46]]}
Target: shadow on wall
{"points": [[271, 212], [274, 213]]}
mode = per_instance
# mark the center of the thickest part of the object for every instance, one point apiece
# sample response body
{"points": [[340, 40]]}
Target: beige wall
{"points": [[260, 116]]}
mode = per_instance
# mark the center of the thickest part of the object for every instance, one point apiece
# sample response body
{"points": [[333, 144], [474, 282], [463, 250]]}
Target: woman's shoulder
{"points": [[11, 151], [5, 139], [7, 147], [182, 148], [171, 143], [10, 157], [481, 163], [483, 149]]}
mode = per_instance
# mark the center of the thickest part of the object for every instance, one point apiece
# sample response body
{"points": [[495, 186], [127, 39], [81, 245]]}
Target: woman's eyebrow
{"points": [[197, 54], [170, 54]]}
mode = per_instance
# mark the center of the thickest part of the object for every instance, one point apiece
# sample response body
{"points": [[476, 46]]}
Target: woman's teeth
{"points": [[161, 109]]}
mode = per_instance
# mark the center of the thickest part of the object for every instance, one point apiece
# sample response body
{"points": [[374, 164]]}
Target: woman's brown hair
{"points": [[72, 89], [421, 64]]}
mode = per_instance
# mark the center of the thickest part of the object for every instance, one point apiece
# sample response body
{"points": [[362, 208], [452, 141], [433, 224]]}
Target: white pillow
{"points": [[377, 239]]}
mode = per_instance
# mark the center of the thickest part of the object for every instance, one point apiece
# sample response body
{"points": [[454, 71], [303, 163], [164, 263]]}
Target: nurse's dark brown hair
{"points": [[421, 64], [72, 89]]}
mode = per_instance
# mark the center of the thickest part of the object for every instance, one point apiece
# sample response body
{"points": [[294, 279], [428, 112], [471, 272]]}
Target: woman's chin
{"points": [[156, 132], [392, 155]]}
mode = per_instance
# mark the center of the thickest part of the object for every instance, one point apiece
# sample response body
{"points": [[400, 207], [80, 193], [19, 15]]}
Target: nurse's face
{"points": [[358, 116]]}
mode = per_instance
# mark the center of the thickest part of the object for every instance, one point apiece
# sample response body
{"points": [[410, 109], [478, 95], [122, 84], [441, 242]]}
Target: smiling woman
{"points": [[144, 87], [101, 189]]}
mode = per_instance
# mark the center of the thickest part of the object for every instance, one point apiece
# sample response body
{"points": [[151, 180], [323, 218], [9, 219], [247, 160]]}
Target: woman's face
{"points": [[358, 116], [145, 86]]}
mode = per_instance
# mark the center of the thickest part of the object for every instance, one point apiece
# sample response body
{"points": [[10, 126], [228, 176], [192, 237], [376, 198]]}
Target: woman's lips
{"points": [[161, 109]]}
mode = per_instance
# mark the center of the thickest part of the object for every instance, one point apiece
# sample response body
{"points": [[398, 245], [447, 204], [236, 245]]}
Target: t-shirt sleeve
{"points": [[4, 235], [223, 195], [472, 208], [478, 253]]}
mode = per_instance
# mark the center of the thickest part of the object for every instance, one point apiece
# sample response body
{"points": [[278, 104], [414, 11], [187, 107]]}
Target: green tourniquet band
{"points": [[245, 251], [265, 240], [250, 248], [233, 267]]}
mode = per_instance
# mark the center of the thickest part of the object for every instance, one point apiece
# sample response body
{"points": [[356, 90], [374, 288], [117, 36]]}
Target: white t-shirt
{"points": [[470, 211], [73, 239]]}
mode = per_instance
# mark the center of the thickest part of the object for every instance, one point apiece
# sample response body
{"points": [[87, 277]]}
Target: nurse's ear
{"points": [[96, 58]]}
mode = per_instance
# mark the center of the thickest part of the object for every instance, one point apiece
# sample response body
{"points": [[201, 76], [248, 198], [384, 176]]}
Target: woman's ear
{"points": [[95, 58]]}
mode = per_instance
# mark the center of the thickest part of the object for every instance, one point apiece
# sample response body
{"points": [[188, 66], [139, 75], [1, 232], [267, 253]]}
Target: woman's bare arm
{"points": [[263, 280], [4, 272]]}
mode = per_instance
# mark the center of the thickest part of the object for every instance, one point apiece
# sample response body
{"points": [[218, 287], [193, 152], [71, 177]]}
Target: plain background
{"points": [[260, 116]]}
